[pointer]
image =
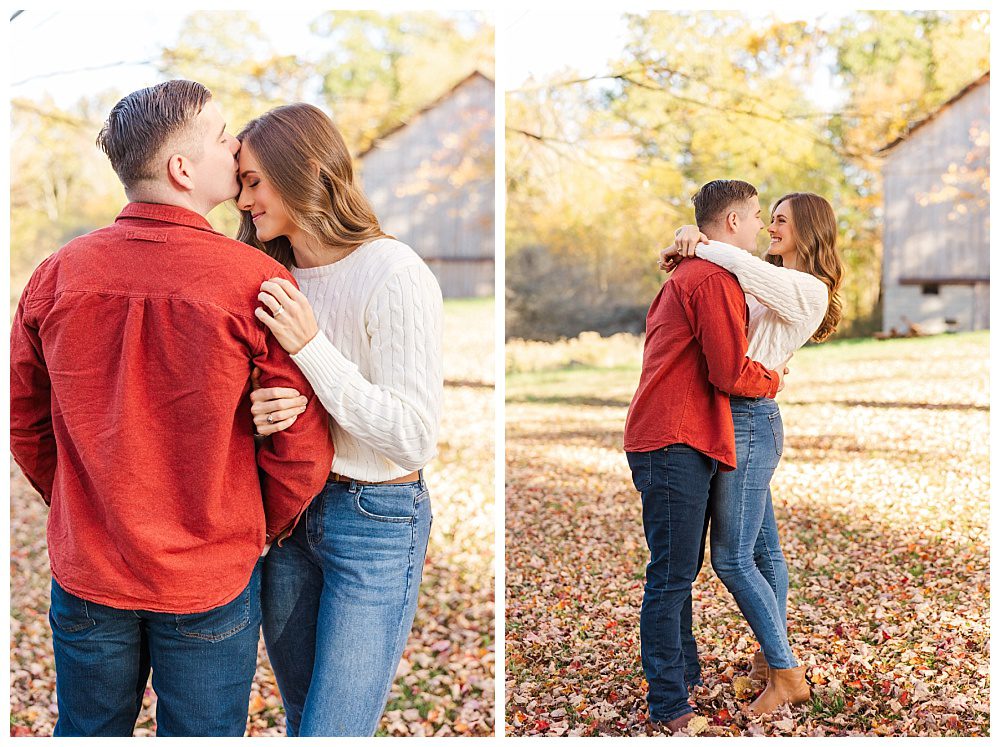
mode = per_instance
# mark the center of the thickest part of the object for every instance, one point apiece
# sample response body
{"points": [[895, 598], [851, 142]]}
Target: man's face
{"points": [[216, 169], [748, 225]]}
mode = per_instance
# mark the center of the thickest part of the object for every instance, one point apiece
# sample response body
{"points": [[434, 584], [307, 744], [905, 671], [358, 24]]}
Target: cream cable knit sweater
{"points": [[376, 363], [786, 306]]}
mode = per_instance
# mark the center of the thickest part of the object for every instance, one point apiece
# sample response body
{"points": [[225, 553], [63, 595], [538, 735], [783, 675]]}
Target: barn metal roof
{"points": [[428, 107], [984, 78]]}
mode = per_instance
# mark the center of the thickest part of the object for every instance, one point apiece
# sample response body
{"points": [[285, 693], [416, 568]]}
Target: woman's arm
{"points": [[396, 410], [794, 296]]}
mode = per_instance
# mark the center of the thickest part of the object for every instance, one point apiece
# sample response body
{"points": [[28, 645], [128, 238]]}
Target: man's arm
{"points": [[32, 440], [295, 462], [717, 312]]}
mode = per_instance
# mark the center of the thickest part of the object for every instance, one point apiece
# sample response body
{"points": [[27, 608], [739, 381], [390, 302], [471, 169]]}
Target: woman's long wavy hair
{"points": [[302, 154], [814, 227]]}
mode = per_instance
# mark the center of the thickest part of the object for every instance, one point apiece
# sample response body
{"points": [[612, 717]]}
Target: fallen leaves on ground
{"points": [[882, 502], [445, 681]]}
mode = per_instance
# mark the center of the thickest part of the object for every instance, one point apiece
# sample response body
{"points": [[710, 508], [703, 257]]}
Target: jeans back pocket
{"points": [[68, 612], [223, 622], [641, 464], [778, 429]]}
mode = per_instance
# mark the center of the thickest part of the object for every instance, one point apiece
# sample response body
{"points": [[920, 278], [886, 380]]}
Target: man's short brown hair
{"points": [[142, 122], [714, 200]]}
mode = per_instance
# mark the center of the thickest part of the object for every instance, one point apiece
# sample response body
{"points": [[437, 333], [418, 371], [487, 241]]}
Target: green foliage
{"points": [[706, 95]]}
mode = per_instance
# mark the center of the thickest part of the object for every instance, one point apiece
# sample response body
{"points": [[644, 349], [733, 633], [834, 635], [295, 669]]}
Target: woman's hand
{"points": [[669, 258], [291, 318], [274, 408], [686, 241]]}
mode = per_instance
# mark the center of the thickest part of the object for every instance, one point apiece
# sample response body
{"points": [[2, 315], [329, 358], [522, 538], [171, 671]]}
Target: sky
{"points": [[47, 42], [584, 41]]}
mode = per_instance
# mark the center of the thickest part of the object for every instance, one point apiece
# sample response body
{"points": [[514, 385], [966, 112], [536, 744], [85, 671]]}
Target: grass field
{"points": [[445, 681], [882, 501]]}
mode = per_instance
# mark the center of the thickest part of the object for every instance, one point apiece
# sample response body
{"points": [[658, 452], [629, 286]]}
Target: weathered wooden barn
{"points": [[936, 258], [431, 182]]}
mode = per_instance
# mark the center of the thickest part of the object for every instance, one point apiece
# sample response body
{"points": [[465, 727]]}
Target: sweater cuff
{"points": [[323, 364]]}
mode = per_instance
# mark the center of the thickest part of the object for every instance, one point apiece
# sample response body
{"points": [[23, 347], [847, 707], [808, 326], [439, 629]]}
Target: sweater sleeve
{"points": [[397, 409], [717, 313], [796, 297]]}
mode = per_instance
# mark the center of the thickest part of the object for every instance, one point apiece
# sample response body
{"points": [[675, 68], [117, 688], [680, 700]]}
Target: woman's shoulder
{"points": [[388, 258], [390, 250]]}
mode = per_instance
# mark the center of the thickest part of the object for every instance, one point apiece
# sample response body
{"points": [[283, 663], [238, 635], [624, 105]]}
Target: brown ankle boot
{"points": [[783, 686], [758, 670]]}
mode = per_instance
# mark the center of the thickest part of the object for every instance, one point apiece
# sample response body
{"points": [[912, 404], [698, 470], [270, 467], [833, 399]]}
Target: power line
{"points": [[83, 70]]}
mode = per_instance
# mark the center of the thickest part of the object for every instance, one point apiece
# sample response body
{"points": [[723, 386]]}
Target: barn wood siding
{"points": [[431, 183], [937, 219]]}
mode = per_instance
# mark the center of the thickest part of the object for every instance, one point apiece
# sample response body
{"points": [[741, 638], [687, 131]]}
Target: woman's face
{"points": [[782, 232], [260, 199]]}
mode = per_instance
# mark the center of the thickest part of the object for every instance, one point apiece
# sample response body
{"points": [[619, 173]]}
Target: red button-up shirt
{"points": [[131, 354], [694, 357]]}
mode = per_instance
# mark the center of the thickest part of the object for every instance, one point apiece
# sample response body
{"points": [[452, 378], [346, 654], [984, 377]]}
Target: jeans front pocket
{"points": [[68, 612], [394, 504], [778, 429], [223, 622]]}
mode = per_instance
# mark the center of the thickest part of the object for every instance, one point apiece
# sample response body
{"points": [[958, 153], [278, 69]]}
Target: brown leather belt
{"points": [[412, 477]]}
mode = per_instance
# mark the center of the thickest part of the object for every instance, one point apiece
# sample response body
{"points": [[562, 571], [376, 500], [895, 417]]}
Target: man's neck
{"points": [[163, 197]]}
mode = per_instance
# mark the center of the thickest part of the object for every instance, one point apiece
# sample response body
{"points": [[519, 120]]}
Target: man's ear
{"points": [[179, 170], [732, 220]]}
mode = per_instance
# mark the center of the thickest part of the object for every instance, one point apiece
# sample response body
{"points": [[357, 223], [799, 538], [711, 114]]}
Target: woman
{"points": [[793, 298], [339, 594]]}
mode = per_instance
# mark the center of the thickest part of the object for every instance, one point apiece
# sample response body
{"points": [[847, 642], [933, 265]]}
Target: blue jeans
{"points": [[203, 665], [674, 483], [339, 599], [746, 553]]}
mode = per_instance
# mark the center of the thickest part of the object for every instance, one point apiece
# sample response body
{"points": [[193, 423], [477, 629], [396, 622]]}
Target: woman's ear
{"points": [[179, 172]]}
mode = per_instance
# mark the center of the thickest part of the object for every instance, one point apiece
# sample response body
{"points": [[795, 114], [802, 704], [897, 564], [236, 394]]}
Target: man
{"points": [[679, 432], [131, 356]]}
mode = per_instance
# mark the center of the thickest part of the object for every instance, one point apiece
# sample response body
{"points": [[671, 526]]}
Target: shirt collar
{"points": [[166, 214]]}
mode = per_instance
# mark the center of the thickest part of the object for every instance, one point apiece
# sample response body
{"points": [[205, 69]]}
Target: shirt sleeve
{"points": [[796, 297], [717, 313], [397, 408], [32, 438], [295, 463]]}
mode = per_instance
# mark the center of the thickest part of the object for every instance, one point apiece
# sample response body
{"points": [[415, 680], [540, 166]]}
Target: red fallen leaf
{"points": [[611, 624], [839, 630], [854, 683], [952, 722], [886, 687], [885, 636], [612, 697], [904, 697], [541, 725], [721, 717], [20, 731]]}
